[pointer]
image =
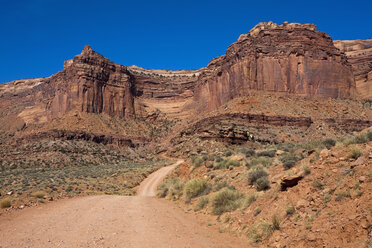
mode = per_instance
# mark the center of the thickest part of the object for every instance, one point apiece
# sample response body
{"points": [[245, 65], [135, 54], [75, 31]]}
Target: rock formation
{"points": [[92, 83], [359, 54], [292, 58]]}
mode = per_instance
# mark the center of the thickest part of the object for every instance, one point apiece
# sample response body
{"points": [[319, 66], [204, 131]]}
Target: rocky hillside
{"points": [[315, 194], [359, 54]]}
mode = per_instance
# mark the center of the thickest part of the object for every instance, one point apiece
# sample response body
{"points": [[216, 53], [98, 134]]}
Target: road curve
{"points": [[149, 185], [111, 221]]}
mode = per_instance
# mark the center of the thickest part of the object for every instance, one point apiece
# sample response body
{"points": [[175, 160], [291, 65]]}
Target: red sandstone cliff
{"points": [[292, 58], [359, 54], [92, 83]]}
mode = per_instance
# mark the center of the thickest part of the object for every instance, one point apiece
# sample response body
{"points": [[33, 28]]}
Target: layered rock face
{"points": [[359, 54], [163, 91], [292, 58], [92, 83], [88, 83]]}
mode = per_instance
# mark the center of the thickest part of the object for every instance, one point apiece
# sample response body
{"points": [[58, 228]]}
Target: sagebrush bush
{"points": [[194, 187], [289, 160], [369, 135], [197, 161], [222, 184], [249, 200], [355, 152], [275, 222], [255, 173], [228, 153], [218, 159], [38, 194], [360, 138], [248, 152], [171, 188], [5, 203], [268, 153], [226, 200], [226, 163], [254, 161], [202, 202], [287, 147], [290, 209], [262, 183], [329, 143]]}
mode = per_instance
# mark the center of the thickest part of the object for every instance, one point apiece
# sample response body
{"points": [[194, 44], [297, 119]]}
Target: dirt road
{"points": [[111, 221]]}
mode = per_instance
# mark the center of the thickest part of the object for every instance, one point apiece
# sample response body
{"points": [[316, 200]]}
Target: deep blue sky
{"points": [[38, 35]]}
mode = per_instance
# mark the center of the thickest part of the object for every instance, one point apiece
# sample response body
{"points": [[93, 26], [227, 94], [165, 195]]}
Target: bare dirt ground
{"points": [[111, 221]]}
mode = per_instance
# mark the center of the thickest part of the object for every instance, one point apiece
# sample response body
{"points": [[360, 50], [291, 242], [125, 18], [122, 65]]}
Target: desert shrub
{"points": [[275, 222], [369, 135], [227, 153], [289, 160], [197, 161], [342, 194], [172, 188], [268, 153], [355, 152], [262, 183], [360, 139], [194, 187], [222, 184], [306, 169], [218, 159], [257, 211], [255, 173], [226, 163], [202, 202], [249, 200], [313, 145], [254, 161], [318, 184], [220, 165], [38, 194], [233, 163], [257, 232], [248, 152], [329, 143], [226, 200], [290, 209], [287, 147], [5, 203]]}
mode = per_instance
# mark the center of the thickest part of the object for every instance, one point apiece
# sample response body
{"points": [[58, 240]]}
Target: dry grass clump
{"points": [[5, 203], [355, 152], [258, 177], [329, 143], [194, 187], [202, 202], [226, 200], [289, 160], [38, 194], [226, 163], [172, 188]]}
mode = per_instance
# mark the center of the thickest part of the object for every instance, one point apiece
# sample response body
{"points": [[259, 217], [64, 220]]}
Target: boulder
{"points": [[290, 181]]}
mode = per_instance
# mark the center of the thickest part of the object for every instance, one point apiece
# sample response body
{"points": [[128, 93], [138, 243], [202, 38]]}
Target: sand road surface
{"points": [[111, 221]]}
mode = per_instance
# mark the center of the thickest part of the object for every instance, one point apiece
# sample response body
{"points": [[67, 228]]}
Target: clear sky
{"points": [[36, 36]]}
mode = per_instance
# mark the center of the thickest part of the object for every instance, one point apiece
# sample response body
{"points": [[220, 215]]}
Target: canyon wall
{"points": [[92, 83], [359, 54], [292, 58]]}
